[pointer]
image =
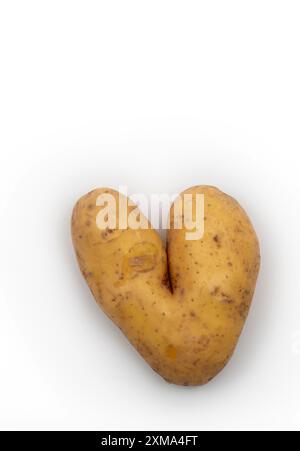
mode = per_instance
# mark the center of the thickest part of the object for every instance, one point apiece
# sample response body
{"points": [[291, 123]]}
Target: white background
{"points": [[157, 95]]}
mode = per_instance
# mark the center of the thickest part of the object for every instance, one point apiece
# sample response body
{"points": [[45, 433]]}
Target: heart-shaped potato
{"points": [[183, 309]]}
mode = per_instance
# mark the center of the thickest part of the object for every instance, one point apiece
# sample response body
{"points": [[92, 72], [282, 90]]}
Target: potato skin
{"points": [[184, 320]]}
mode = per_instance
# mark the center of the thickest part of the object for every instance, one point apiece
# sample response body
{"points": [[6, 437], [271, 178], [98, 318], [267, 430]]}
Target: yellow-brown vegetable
{"points": [[183, 309]]}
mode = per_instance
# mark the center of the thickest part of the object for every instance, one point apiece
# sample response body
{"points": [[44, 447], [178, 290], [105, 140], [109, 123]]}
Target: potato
{"points": [[182, 309]]}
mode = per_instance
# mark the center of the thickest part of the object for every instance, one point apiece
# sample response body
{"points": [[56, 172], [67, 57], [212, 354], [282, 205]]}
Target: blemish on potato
{"points": [[171, 352], [238, 229], [226, 299], [243, 309], [217, 240], [140, 263], [108, 235], [215, 291], [141, 258], [202, 345]]}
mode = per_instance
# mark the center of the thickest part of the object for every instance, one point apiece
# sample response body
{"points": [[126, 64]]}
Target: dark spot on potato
{"points": [[243, 309], [215, 291], [202, 343], [109, 235], [226, 299], [165, 280], [217, 240]]}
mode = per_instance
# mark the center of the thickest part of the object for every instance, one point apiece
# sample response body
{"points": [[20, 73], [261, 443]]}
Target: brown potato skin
{"points": [[183, 309]]}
